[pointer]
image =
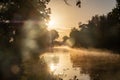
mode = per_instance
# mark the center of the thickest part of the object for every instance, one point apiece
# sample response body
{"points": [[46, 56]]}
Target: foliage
{"points": [[78, 3], [53, 35], [22, 30], [65, 38], [100, 32]]}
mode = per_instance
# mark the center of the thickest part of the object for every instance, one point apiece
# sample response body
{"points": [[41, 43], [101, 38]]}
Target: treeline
{"points": [[100, 32], [23, 34]]}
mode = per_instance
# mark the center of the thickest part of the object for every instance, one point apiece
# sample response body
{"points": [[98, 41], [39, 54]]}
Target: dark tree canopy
{"points": [[53, 35], [22, 25], [100, 32]]}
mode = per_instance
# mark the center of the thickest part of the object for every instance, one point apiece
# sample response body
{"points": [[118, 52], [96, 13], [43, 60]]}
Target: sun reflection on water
{"points": [[53, 67], [61, 66], [80, 64]]}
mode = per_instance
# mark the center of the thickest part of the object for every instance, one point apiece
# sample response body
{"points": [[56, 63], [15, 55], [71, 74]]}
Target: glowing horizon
{"points": [[67, 17]]}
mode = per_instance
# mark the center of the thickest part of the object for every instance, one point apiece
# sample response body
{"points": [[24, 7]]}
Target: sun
{"points": [[51, 24]]}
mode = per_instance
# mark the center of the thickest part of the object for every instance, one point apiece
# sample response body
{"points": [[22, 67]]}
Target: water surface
{"points": [[82, 64]]}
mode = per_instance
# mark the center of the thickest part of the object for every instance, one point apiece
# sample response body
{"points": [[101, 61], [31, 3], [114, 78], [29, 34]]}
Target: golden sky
{"points": [[64, 17]]}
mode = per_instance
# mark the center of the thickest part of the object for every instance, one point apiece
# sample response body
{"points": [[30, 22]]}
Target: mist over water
{"points": [[82, 64]]}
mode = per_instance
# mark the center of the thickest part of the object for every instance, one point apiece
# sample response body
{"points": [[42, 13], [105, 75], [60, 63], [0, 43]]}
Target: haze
{"points": [[67, 17]]}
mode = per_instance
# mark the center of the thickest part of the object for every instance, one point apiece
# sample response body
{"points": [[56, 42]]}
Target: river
{"points": [[82, 64]]}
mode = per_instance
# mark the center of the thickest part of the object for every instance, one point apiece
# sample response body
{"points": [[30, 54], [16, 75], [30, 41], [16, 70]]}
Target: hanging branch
{"points": [[78, 3]]}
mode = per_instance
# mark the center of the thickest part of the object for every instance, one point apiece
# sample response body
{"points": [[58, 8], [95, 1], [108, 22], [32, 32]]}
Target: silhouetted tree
{"points": [[53, 34], [65, 38], [100, 32], [16, 29]]}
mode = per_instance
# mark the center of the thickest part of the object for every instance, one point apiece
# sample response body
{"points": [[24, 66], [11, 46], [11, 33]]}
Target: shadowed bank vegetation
{"points": [[100, 32], [23, 35]]}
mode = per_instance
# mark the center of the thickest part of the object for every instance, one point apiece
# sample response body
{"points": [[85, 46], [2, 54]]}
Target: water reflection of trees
{"points": [[99, 68]]}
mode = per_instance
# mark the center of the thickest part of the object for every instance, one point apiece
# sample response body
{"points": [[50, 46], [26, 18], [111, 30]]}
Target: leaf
{"points": [[78, 3]]}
